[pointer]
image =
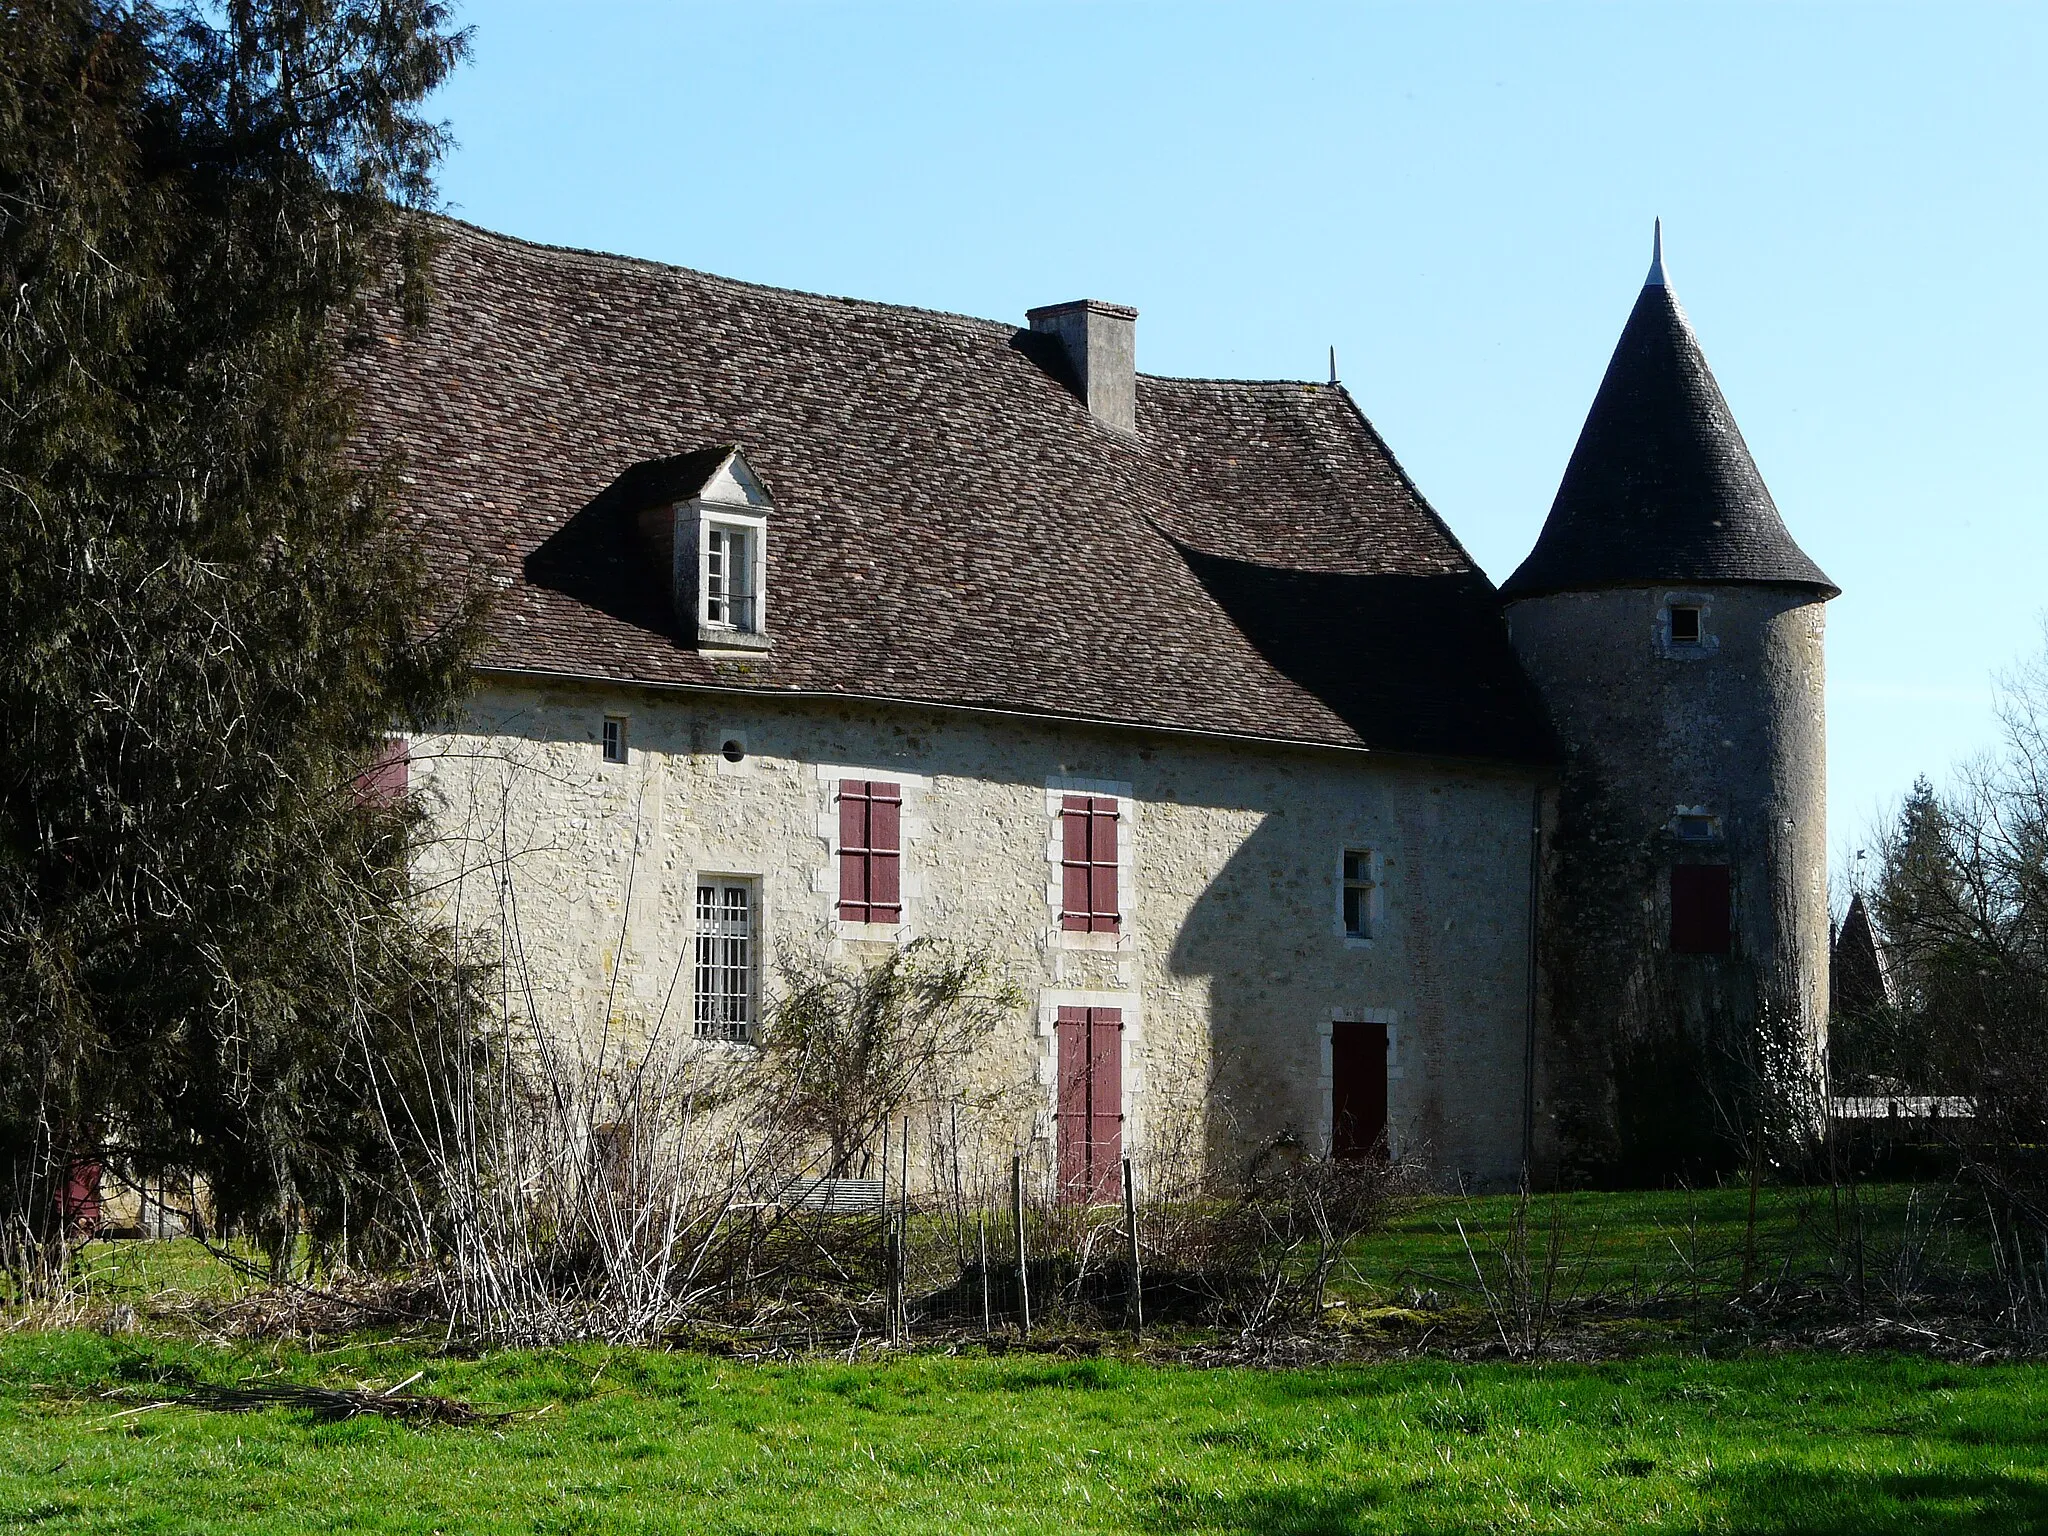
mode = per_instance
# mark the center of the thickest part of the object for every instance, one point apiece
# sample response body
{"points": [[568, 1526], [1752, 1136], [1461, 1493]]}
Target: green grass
{"points": [[622, 1440], [1641, 1243]]}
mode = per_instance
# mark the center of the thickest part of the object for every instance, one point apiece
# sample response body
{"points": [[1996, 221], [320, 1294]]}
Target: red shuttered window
{"points": [[385, 781], [1699, 909], [1088, 903], [870, 851], [1091, 1104]]}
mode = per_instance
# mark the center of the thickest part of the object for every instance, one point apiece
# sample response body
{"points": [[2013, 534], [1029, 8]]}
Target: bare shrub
{"points": [[848, 1047]]}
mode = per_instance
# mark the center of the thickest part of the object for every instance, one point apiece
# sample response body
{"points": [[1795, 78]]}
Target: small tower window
{"points": [[1693, 827], [615, 738], [1685, 625]]}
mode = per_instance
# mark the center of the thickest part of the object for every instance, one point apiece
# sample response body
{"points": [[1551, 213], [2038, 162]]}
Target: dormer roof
{"points": [[719, 474], [1661, 487]]}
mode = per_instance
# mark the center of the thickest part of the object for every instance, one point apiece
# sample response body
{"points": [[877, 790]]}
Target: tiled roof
{"points": [[951, 526], [1661, 487]]}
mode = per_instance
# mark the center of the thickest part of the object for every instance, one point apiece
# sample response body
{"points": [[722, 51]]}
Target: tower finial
{"points": [[1656, 277], [1333, 365]]}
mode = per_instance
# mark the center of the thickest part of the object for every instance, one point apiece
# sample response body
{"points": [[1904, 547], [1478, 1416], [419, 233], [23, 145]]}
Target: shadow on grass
{"points": [[1759, 1501], [1803, 1501]]}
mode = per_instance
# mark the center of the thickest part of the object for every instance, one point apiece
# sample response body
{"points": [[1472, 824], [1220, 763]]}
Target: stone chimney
{"points": [[1102, 344]]}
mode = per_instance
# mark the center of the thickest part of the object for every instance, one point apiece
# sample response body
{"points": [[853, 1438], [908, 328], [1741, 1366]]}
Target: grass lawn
{"points": [[1638, 1243], [627, 1440]]}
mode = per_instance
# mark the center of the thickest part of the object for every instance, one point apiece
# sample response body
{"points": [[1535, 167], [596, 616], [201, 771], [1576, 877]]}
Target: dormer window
{"points": [[704, 515], [730, 581]]}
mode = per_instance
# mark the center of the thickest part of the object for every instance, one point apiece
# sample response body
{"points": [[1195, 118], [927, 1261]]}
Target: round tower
{"points": [[1675, 632]]}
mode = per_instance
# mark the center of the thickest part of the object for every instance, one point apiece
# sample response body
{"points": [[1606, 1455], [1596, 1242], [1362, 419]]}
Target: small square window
{"points": [[1358, 892], [1685, 626], [1692, 827], [614, 738]]}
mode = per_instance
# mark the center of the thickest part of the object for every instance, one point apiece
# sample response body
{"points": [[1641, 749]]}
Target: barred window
{"points": [[725, 960]]}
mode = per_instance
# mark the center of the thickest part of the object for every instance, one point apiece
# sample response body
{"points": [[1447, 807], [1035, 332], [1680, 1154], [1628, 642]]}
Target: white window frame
{"points": [[1375, 907], [1125, 939], [714, 521], [705, 968], [604, 740]]}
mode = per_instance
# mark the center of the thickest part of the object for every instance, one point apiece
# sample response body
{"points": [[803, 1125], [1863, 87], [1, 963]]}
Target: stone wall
{"points": [[1232, 962], [1647, 1045]]}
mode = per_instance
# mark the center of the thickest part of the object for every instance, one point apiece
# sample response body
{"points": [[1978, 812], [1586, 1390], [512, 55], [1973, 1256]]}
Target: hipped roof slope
{"points": [[951, 526], [1661, 487]]}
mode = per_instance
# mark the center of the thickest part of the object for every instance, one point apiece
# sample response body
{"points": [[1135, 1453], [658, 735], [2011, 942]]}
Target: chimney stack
{"points": [[1102, 344]]}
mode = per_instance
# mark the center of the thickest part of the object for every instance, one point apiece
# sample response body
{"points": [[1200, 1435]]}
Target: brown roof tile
{"points": [[951, 525]]}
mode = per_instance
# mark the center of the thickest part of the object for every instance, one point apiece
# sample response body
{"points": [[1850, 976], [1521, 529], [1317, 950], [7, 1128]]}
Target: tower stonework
{"points": [[1675, 632]]}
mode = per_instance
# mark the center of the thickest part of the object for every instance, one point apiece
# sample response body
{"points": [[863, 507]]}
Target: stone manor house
{"points": [[822, 625]]}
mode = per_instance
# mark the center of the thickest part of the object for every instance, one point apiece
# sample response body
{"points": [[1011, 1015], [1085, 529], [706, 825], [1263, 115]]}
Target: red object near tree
{"points": [[385, 781], [1700, 910], [1091, 1104], [870, 851], [1358, 1091], [1088, 902], [78, 1203]]}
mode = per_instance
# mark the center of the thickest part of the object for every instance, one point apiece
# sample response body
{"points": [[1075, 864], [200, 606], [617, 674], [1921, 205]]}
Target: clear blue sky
{"points": [[1457, 197]]}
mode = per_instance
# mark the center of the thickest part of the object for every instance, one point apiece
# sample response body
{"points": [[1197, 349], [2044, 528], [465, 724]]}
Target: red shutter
{"points": [[1088, 893], [853, 844], [384, 782], [1105, 1103], [1102, 905], [885, 853], [1089, 1113], [1700, 910], [1071, 1116], [1075, 885], [870, 852]]}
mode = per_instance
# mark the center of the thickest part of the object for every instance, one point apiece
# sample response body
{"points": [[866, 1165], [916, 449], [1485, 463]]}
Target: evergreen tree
{"points": [[210, 957]]}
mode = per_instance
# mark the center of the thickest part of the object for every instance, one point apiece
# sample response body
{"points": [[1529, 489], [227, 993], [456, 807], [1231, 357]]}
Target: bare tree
{"points": [[849, 1045]]}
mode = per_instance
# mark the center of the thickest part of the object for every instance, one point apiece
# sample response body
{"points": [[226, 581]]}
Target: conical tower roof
{"points": [[1661, 487]]}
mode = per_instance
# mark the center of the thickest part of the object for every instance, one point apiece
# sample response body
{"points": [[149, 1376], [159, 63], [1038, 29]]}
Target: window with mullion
{"points": [[1088, 865], [725, 960], [870, 851]]}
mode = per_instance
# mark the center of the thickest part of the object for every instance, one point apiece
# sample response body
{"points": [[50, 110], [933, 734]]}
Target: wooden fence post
{"points": [[988, 1324], [888, 1240], [903, 1235], [1023, 1274], [1134, 1304]]}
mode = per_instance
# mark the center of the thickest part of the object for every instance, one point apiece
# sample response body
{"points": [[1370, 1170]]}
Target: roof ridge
{"points": [[834, 300], [811, 296]]}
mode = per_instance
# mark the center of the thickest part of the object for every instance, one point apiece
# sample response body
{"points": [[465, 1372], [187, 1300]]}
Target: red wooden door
{"points": [[1358, 1090], [1090, 1111]]}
